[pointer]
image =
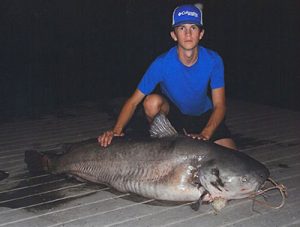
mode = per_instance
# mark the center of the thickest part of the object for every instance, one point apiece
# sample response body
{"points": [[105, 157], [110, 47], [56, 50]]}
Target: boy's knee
{"points": [[153, 104], [152, 101]]}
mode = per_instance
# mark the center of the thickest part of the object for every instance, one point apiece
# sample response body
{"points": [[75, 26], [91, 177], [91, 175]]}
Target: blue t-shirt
{"points": [[185, 86]]}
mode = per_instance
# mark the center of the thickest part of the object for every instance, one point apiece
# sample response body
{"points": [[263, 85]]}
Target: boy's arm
{"points": [[125, 115]]}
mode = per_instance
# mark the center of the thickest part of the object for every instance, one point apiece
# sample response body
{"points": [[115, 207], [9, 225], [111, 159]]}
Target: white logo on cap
{"points": [[189, 13]]}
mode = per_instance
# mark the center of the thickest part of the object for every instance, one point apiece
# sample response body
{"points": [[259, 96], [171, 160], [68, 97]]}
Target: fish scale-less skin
{"points": [[166, 168], [152, 169]]}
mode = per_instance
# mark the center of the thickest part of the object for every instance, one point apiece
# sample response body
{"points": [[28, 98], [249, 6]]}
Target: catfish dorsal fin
{"points": [[161, 127]]}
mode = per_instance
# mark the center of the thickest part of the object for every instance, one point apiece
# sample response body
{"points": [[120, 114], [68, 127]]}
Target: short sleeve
{"points": [[151, 78], [217, 74]]}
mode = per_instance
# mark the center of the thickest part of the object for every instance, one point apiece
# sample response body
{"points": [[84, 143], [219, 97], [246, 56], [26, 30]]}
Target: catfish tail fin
{"points": [[36, 161]]}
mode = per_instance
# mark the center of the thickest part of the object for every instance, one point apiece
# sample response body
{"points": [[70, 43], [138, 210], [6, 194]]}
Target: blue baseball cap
{"points": [[187, 14]]}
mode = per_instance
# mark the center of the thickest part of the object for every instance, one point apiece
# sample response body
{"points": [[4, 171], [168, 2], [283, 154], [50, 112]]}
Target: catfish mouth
{"points": [[219, 202], [251, 189], [260, 189], [231, 189]]}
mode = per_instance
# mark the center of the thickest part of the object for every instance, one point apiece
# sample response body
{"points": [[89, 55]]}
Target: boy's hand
{"points": [[105, 139]]}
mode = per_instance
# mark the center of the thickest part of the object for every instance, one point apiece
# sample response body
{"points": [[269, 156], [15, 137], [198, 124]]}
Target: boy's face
{"points": [[187, 35]]}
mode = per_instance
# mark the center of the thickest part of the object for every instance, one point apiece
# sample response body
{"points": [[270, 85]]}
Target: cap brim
{"points": [[187, 22]]}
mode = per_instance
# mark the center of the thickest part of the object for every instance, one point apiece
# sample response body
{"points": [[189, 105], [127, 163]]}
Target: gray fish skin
{"points": [[173, 168]]}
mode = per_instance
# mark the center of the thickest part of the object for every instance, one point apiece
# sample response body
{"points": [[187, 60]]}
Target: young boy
{"points": [[184, 74]]}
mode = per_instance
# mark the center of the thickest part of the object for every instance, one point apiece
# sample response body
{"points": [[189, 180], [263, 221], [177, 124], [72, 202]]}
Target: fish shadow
{"points": [[36, 192]]}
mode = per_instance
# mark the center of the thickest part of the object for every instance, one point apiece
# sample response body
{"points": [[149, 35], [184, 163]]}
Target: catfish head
{"points": [[231, 175]]}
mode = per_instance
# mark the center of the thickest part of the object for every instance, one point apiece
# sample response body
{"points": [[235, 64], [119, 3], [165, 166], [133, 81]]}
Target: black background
{"points": [[56, 52]]}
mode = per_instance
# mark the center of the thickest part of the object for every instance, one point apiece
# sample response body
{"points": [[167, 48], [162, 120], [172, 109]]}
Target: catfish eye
{"points": [[244, 179]]}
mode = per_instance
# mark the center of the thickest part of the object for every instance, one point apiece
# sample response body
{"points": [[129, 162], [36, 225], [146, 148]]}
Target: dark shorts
{"points": [[195, 124], [138, 125]]}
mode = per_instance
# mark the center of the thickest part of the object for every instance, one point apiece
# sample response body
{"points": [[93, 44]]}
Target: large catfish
{"points": [[173, 167]]}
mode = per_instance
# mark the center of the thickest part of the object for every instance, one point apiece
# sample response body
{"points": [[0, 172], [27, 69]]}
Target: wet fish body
{"points": [[171, 168]]}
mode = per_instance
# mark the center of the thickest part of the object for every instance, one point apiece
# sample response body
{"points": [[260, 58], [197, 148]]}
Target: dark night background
{"points": [[57, 53]]}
